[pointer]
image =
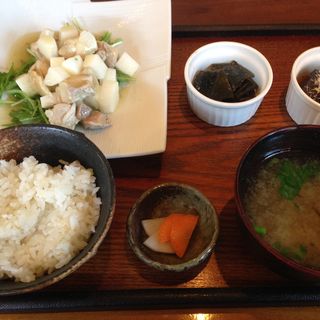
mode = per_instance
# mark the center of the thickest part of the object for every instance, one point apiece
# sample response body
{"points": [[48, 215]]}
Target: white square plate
{"points": [[139, 124]]}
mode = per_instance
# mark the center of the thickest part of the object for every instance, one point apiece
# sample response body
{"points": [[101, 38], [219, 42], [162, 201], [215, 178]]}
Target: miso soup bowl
{"points": [[219, 113], [304, 140], [301, 108]]}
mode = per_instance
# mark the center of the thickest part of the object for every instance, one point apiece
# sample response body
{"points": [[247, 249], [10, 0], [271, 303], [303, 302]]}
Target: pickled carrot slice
{"points": [[165, 229], [177, 229]]}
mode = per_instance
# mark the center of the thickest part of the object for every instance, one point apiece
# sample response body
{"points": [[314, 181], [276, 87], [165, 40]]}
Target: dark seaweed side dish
{"points": [[311, 86], [284, 208], [226, 82]]}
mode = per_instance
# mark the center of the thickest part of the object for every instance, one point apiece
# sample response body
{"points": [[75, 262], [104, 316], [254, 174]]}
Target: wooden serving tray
{"points": [[205, 157]]}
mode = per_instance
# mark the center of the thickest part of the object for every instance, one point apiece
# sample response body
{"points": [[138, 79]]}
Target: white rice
{"points": [[47, 215]]}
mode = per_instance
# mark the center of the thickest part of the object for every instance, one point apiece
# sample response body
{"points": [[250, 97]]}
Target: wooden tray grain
{"points": [[205, 157], [244, 13]]}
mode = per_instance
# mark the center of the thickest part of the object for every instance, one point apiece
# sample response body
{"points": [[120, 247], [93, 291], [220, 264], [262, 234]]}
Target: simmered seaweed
{"points": [[227, 82], [312, 85]]}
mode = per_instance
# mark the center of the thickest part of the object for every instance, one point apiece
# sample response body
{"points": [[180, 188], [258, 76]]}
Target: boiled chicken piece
{"points": [[45, 47], [49, 100], [86, 43], [81, 80], [69, 48], [82, 110], [38, 84], [63, 114], [41, 67], [96, 120], [34, 50], [89, 72], [107, 53], [46, 44], [70, 120], [68, 31], [75, 88]]}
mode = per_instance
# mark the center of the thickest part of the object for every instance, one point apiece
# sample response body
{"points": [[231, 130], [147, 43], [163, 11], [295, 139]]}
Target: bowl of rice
{"points": [[57, 202]]}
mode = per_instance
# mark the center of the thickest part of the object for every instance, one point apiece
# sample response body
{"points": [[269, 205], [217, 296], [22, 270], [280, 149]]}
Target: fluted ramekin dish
{"points": [[227, 114], [301, 108]]}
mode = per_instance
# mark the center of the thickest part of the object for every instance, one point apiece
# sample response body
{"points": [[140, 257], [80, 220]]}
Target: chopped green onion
{"points": [[292, 176], [260, 230], [295, 254]]}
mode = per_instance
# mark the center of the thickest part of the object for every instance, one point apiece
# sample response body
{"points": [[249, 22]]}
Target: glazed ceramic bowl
{"points": [[160, 201], [301, 108], [219, 113], [301, 141], [49, 144]]}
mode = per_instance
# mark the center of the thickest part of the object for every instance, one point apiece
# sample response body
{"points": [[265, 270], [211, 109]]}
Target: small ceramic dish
{"points": [[301, 108], [160, 201], [227, 113]]}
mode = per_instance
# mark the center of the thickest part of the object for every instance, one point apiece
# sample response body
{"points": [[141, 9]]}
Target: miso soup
{"points": [[284, 207]]}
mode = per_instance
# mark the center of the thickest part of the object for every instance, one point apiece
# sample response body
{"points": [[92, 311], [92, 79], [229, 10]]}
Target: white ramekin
{"points": [[227, 113], [301, 108]]}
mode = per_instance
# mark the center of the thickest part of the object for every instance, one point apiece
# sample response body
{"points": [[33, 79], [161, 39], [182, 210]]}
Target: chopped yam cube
{"points": [[47, 46], [68, 31], [96, 64], [47, 32], [25, 83], [108, 96], [127, 64], [55, 75], [73, 65], [87, 43], [111, 74]]}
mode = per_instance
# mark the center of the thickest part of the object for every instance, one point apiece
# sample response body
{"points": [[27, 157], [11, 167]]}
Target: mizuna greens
{"points": [[25, 109]]}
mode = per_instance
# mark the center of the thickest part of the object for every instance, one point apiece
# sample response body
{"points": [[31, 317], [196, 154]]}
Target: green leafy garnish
{"points": [[295, 254], [123, 78], [24, 109], [7, 79], [292, 176], [260, 230], [106, 37]]}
